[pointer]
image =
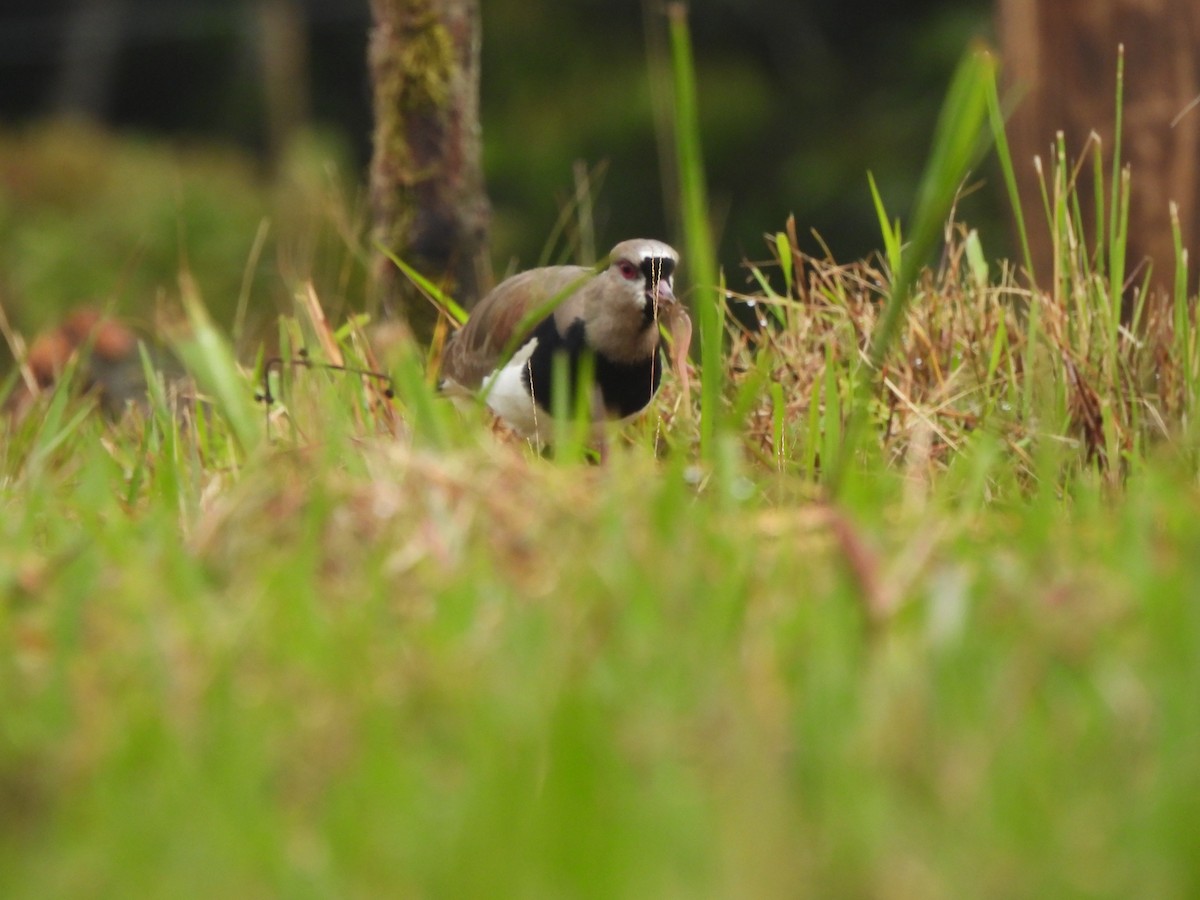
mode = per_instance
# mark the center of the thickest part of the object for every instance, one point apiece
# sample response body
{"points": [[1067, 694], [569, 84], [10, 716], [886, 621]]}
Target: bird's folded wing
{"points": [[500, 321]]}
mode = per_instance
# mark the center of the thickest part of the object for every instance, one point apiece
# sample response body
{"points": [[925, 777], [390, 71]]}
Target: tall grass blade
{"points": [[1182, 323], [698, 242], [1008, 171], [439, 298], [419, 402], [1101, 226], [573, 410], [209, 359], [958, 143], [892, 240], [783, 250], [1116, 157]]}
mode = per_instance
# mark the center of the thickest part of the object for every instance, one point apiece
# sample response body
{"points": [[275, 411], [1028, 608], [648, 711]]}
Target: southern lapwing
{"points": [[611, 312]]}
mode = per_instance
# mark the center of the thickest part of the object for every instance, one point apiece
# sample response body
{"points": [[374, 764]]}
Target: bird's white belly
{"points": [[507, 393]]}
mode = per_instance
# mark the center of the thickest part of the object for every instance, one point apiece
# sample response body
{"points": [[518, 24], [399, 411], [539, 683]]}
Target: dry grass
{"points": [[1028, 366]]}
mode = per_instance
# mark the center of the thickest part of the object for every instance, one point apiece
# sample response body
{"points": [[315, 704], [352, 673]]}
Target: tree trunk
{"points": [[283, 54], [1061, 56], [426, 186], [95, 30]]}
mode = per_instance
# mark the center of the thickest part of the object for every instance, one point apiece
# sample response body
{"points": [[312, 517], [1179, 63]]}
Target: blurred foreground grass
{"points": [[360, 665], [398, 655]]}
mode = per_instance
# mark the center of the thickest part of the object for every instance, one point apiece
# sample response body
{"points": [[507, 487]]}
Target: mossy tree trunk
{"points": [[426, 184], [283, 57], [1061, 56], [93, 33]]}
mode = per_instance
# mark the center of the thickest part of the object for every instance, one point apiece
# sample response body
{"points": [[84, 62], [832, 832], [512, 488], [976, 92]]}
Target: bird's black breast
{"points": [[625, 387]]}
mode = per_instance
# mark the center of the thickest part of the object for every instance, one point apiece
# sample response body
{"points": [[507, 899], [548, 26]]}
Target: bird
{"points": [[610, 312], [109, 364]]}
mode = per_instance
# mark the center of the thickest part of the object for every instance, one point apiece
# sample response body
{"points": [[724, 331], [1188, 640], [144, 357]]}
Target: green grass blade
{"points": [[958, 143], [1008, 171], [1116, 156], [436, 295], [783, 250], [209, 359], [698, 242], [892, 241]]}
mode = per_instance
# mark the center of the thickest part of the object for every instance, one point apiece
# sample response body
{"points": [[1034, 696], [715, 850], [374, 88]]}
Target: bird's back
{"points": [[500, 320]]}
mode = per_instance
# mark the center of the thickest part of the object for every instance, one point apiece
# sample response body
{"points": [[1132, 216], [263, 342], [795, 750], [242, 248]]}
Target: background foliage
{"points": [[797, 101]]}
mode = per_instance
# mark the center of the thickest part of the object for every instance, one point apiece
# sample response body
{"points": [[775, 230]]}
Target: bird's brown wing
{"points": [[499, 322]]}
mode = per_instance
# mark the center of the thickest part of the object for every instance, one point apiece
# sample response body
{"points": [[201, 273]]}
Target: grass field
{"points": [[927, 629]]}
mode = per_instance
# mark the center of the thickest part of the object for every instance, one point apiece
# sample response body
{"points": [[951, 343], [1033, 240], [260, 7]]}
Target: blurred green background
{"points": [[178, 165]]}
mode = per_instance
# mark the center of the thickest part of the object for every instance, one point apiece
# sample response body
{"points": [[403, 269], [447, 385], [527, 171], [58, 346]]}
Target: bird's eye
{"points": [[627, 269]]}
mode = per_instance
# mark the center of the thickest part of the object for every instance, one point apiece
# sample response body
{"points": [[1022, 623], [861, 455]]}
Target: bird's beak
{"points": [[664, 296]]}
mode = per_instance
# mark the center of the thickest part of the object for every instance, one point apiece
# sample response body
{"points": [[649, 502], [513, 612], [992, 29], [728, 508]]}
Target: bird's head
{"points": [[633, 289]]}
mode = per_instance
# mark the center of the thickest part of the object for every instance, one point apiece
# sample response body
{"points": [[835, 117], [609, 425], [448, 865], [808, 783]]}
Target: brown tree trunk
{"points": [[1061, 56], [426, 186], [92, 39], [283, 55]]}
